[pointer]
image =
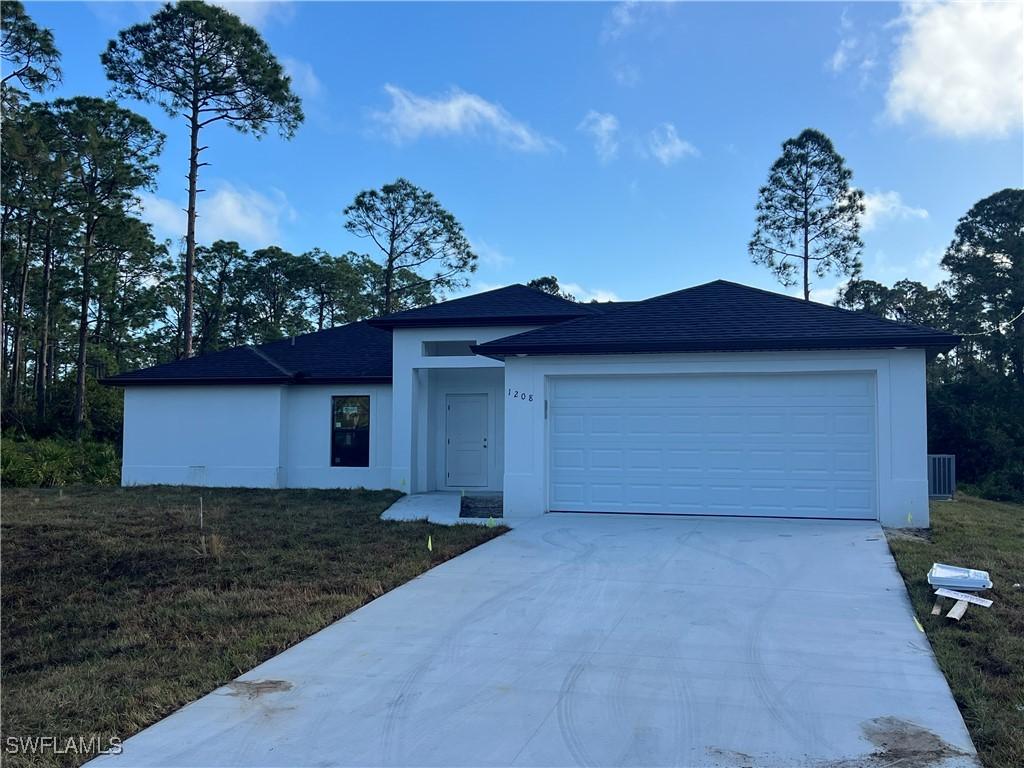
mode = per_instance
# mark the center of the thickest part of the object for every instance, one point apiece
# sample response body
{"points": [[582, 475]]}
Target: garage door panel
{"points": [[851, 499], [567, 493], [762, 425], [644, 459], [603, 458], [564, 425], [684, 459], [809, 424], [853, 424], [603, 493], [568, 458], [853, 462], [764, 445], [812, 462], [769, 461]]}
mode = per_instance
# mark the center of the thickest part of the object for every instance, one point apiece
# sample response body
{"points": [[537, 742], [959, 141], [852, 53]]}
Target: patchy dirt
{"points": [[903, 744], [481, 506], [899, 742], [910, 534], [732, 757], [252, 689]]}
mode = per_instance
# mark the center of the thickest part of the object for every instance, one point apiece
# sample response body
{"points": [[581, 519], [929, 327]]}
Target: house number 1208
{"points": [[515, 394]]}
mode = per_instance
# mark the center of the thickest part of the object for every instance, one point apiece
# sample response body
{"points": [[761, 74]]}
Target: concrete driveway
{"points": [[604, 640]]}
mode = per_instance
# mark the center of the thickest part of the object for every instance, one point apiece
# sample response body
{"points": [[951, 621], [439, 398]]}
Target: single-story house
{"points": [[719, 399]]}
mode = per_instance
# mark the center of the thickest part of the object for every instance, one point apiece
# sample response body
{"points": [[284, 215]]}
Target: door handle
{"points": [[485, 442]]}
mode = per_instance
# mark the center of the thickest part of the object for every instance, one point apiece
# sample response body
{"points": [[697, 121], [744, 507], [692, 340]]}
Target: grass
{"points": [[116, 612], [982, 655]]}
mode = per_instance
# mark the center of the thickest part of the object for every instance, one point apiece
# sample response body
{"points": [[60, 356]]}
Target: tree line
{"points": [[808, 226], [88, 290]]}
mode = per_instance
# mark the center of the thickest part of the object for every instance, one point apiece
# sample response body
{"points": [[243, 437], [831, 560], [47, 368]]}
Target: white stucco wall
{"points": [[197, 435], [901, 428], [307, 438], [247, 436], [412, 469]]}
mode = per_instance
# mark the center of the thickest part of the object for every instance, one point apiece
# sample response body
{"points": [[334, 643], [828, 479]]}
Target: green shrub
{"points": [[57, 462], [1007, 485]]}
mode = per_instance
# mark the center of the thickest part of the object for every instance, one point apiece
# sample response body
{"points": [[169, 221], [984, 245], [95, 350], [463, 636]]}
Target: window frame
{"points": [[334, 430]]}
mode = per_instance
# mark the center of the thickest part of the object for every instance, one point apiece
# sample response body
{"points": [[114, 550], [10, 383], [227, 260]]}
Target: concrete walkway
{"points": [[442, 507], [603, 640], [437, 506]]}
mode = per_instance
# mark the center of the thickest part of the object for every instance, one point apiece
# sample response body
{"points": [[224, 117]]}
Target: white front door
{"points": [[763, 445], [466, 441]]}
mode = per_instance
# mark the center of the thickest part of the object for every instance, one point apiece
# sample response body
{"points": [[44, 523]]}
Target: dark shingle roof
{"points": [[512, 305], [719, 316], [603, 307], [350, 353]]}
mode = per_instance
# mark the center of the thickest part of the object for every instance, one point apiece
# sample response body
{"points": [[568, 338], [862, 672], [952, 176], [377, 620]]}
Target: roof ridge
{"points": [[802, 302], [731, 311], [308, 334], [833, 307], [268, 359]]}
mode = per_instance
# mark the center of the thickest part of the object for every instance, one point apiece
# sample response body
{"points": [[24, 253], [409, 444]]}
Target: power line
{"points": [[999, 327]]}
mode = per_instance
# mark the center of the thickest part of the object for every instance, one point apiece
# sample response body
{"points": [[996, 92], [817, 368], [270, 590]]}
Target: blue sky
{"points": [[617, 146]]}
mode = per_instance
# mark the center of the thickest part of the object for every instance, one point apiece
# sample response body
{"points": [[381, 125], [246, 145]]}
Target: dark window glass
{"points": [[350, 431], [448, 348]]}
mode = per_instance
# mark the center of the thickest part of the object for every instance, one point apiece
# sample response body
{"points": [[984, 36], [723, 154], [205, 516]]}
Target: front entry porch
{"points": [[459, 430]]}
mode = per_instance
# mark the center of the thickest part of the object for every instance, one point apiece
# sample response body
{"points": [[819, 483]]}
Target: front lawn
{"points": [[982, 655], [116, 611]]}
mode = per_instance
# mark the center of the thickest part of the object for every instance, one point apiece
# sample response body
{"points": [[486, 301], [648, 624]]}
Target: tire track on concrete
{"points": [[565, 711], [392, 748], [804, 729]]}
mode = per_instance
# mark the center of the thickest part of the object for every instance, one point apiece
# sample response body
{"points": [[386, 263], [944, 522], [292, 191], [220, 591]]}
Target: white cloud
{"points": [[476, 286], [847, 44], [625, 74], [258, 13], [960, 67], [620, 18], [666, 146], [304, 79], [822, 295], [168, 219], [887, 206], [879, 266], [488, 255], [455, 113], [857, 49], [228, 213], [604, 128], [924, 268], [588, 294], [841, 57]]}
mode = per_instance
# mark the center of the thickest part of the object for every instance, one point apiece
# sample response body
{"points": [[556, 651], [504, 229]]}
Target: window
{"points": [[460, 348], [350, 431]]}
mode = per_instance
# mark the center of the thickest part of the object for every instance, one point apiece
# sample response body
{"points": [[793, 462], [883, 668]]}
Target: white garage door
{"points": [[766, 445]]}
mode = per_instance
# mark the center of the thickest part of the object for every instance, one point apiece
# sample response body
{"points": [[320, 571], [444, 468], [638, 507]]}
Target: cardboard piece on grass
{"points": [[983, 602], [957, 611], [954, 577]]}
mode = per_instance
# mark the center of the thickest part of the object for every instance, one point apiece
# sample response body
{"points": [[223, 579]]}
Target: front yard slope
{"points": [[982, 655], [118, 608]]}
